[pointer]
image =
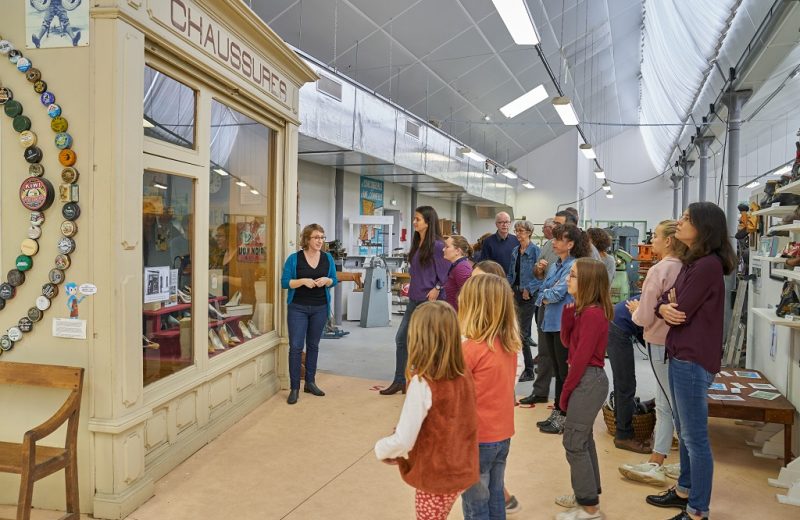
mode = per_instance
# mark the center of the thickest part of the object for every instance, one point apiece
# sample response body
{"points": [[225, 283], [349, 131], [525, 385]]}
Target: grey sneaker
{"points": [[567, 501], [512, 506], [647, 472], [672, 470]]}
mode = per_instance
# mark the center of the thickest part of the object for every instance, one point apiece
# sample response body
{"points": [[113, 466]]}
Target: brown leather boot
{"points": [[393, 388], [632, 445]]}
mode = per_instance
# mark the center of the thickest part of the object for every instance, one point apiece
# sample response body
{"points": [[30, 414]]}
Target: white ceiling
{"points": [[454, 61]]}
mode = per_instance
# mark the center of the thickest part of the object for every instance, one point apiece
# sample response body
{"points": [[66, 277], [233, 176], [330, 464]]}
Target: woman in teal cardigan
{"points": [[308, 274]]}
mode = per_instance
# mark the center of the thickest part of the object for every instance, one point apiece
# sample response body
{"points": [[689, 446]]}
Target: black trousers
{"points": [[620, 354], [550, 342], [525, 312]]}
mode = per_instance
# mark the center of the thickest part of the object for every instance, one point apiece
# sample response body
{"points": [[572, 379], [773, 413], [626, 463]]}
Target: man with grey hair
{"points": [[547, 246], [498, 247]]}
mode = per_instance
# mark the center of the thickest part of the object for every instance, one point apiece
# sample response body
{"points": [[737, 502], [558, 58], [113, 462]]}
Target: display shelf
{"points": [[788, 273], [770, 259], [180, 307], [769, 315], [792, 228], [775, 211], [792, 187]]}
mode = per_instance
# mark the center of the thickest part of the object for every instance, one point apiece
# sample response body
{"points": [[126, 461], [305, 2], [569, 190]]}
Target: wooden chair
{"points": [[34, 462]]}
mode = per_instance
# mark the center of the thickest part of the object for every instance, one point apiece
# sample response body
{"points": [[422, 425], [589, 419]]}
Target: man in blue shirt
{"points": [[499, 246]]}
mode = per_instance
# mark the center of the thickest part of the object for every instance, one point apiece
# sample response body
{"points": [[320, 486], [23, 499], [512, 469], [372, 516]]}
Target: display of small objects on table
{"points": [[37, 194]]}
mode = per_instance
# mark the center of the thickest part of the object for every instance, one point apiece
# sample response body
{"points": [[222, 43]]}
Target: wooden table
{"points": [[779, 410]]}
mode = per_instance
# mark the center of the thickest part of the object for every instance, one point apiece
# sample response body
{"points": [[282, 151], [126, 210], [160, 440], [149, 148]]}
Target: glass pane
{"points": [[169, 109], [167, 217], [240, 283]]}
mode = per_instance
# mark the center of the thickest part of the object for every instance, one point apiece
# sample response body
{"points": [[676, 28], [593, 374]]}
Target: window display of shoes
{"points": [[212, 336], [253, 329], [246, 334], [647, 472], [231, 334], [235, 299]]}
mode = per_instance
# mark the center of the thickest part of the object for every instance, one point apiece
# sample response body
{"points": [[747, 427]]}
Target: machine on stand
{"points": [[375, 305], [625, 240]]}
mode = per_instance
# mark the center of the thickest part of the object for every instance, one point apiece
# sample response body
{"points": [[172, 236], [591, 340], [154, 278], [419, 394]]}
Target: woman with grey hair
{"points": [[525, 285]]}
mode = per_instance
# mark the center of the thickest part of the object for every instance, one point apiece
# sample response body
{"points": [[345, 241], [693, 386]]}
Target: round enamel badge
{"points": [[36, 193]]}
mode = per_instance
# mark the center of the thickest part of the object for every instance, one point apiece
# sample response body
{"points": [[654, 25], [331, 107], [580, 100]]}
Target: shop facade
{"points": [[183, 119]]}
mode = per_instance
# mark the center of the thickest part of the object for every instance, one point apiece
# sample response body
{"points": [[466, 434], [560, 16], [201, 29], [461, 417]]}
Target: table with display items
{"points": [[778, 410]]}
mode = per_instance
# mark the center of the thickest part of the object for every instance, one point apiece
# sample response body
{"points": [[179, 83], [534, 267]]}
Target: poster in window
{"points": [[250, 241], [56, 23], [156, 284], [371, 203]]}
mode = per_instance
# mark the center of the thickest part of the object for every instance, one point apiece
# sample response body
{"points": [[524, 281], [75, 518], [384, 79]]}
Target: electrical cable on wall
{"points": [[580, 200]]}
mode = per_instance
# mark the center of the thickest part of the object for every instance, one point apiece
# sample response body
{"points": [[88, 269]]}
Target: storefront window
{"points": [[240, 282], [169, 109], [168, 216]]}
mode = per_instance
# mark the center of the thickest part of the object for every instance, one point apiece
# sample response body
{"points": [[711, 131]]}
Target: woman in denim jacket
{"points": [[569, 243], [525, 285]]}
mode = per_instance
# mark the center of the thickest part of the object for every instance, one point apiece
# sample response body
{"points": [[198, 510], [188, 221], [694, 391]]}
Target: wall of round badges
{"points": [[36, 194]]}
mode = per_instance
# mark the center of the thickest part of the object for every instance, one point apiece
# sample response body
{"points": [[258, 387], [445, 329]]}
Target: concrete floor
{"points": [[315, 461]]}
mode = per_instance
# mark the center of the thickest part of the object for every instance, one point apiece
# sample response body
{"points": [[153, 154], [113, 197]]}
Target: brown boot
{"points": [[632, 445], [393, 389]]}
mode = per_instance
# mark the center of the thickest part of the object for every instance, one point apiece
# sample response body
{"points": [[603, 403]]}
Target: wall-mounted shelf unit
{"points": [[791, 228], [776, 211], [792, 187], [788, 273], [770, 259], [769, 315]]}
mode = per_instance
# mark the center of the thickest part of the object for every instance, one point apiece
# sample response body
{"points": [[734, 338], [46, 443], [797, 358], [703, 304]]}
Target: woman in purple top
{"points": [[456, 251], [428, 275], [695, 310]]}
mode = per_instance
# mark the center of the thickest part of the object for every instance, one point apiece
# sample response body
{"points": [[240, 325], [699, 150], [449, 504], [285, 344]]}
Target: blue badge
{"points": [[63, 140], [23, 64], [53, 110], [48, 98]]}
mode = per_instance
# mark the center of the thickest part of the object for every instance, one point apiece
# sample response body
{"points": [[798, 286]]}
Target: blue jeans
{"points": [[306, 323], [689, 384], [485, 500], [401, 356]]}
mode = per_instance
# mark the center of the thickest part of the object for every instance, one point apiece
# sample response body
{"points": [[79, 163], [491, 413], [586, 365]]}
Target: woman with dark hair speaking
{"points": [[428, 272], [695, 311]]}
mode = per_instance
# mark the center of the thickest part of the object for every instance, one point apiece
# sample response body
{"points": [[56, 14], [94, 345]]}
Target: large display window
{"points": [[169, 109], [240, 280]]}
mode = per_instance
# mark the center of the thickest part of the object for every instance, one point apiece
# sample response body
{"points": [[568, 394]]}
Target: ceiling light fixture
{"points": [[609, 195], [783, 170], [524, 102], [147, 124], [254, 191], [221, 172], [606, 186], [241, 183], [518, 21], [600, 173], [159, 186], [466, 151], [528, 185], [487, 118], [509, 174], [566, 112], [753, 184], [588, 151]]}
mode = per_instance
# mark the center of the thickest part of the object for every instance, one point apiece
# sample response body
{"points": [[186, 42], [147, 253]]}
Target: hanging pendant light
{"points": [[565, 110]]}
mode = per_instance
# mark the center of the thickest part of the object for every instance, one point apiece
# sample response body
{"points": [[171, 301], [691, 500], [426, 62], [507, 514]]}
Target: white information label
{"points": [[87, 288], [68, 328]]}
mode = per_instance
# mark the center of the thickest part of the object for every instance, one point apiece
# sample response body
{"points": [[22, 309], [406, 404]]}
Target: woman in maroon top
{"points": [[695, 310], [457, 251]]}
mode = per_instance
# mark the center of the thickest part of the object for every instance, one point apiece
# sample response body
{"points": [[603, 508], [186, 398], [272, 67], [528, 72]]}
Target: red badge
{"points": [[36, 194]]}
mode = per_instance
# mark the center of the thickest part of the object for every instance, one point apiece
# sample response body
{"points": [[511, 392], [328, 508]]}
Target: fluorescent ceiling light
{"points": [[600, 174], [509, 174], [606, 186], [524, 102], [254, 191], [783, 170], [753, 184], [221, 172], [588, 151], [518, 21], [241, 183], [147, 124], [609, 195], [565, 111], [466, 151], [159, 186], [528, 185]]}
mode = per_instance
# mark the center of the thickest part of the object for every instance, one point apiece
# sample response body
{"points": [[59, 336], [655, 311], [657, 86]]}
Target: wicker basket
{"points": [[643, 424]]}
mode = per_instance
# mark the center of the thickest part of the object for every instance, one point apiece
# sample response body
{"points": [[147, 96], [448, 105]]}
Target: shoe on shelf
{"points": [[183, 297], [512, 506], [231, 334], [253, 329], [526, 375], [647, 472], [548, 420], [555, 426], [668, 498], [294, 393], [579, 513], [146, 343], [683, 515], [533, 399], [235, 299], [633, 445], [567, 501], [246, 334], [212, 336], [312, 388], [393, 388], [673, 471]]}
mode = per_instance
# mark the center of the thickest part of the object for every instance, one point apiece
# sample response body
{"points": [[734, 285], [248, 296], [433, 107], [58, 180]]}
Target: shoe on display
{"points": [[555, 426], [647, 472], [294, 393], [512, 506], [673, 471], [172, 321], [312, 388], [183, 297], [567, 501], [146, 343], [533, 399], [231, 334], [253, 329], [633, 445], [579, 513], [546, 421], [218, 345], [246, 334], [526, 375], [668, 498], [235, 299]]}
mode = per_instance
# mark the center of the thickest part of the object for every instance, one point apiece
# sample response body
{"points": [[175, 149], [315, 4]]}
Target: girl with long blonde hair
{"points": [[434, 441], [492, 340]]}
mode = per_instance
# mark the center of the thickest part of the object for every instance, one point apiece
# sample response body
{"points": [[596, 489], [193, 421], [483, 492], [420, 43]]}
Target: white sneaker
{"points": [[579, 513], [647, 472], [566, 501], [672, 470]]}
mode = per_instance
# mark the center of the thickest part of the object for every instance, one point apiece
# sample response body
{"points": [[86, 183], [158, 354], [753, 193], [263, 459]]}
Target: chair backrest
{"points": [[48, 376]]}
